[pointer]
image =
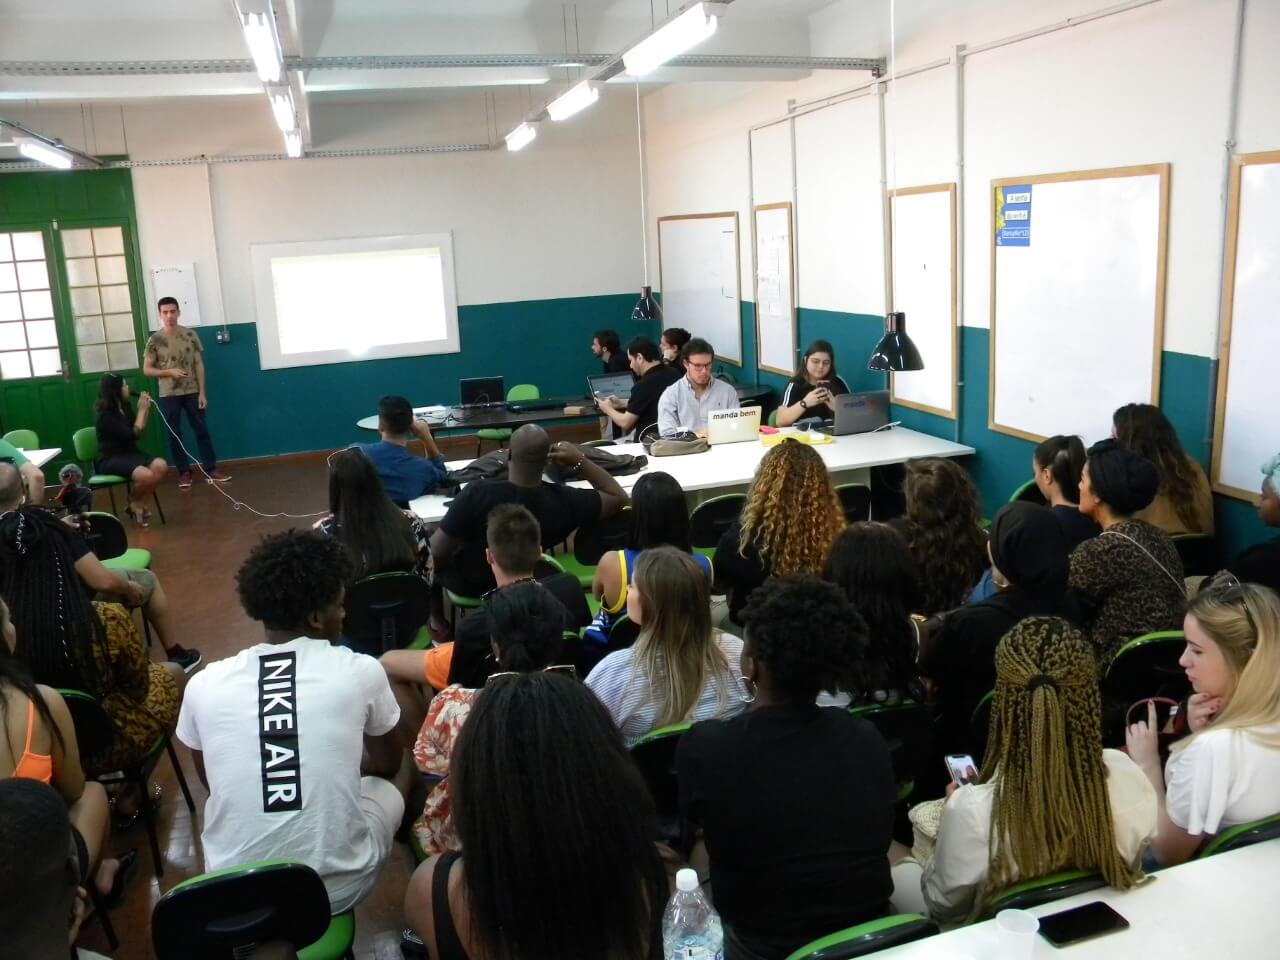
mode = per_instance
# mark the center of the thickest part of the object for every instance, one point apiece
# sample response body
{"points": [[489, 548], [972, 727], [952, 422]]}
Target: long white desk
{"points": [[731, 466], [1219, 907]]}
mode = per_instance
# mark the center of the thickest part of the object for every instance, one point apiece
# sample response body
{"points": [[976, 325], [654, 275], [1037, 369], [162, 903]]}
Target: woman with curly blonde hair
{"points": [[789, 521]]}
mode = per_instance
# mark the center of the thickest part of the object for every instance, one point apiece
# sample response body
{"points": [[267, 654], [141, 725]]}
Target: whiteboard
{"points": [[699, 278], [1077, 299], [1244, 436], [177, 281], [923, 259], [775, 290]]}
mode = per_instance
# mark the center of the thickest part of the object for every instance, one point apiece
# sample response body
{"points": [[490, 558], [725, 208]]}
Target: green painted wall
{"points": [[257, 413]]}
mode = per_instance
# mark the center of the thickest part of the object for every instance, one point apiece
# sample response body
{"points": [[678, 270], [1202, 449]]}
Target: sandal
{"points": [[140, 516], [124, 822], [124, 874]]}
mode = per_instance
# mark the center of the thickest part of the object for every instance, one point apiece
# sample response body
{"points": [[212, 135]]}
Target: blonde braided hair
{"points": [[792, 514], [1051, 809]]}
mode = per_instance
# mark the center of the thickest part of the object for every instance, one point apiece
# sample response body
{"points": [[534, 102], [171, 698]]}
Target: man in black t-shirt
{"points": [[605, 347], [457, 546], [652, 377]]}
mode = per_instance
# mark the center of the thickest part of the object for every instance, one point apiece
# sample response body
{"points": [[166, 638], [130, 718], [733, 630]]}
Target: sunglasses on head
{"points": [[489, 593], [567, 669]]}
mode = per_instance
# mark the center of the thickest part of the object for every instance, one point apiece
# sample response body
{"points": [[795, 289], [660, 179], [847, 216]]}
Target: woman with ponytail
{"points": [[1048, 797], [1057, 465], [526, 627]]}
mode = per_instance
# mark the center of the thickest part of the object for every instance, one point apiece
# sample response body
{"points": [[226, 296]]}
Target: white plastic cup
{"points": [[1017, 933]]}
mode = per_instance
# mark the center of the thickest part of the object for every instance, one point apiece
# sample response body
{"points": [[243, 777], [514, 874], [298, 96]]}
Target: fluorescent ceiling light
{"points": [[576, 98], [43, 153], [293, 143], [264, 44], [282, 106], [670, 40], [521, 136]]}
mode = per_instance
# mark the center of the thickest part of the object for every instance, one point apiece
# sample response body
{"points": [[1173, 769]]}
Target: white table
{"points": [[41, 457], [731, 466], [1219, 908]]}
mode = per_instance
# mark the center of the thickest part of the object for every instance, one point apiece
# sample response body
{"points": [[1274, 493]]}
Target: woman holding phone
{"points": [[810, 392]]}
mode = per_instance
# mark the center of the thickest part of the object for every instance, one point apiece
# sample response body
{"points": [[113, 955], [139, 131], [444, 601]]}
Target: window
{"points": [[98, 283], [28, 333], [334, 301]]}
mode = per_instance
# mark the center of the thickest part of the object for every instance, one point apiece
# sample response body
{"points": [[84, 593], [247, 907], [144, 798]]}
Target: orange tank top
{"points": [[33, 766]]}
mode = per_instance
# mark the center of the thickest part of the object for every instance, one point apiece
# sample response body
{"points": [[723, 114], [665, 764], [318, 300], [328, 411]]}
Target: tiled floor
{"points": [[196, 555]]}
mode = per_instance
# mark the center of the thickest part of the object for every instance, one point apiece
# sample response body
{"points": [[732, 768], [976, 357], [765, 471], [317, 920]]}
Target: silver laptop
{"points": [[733, 426], [858, 413], [611, 385]]}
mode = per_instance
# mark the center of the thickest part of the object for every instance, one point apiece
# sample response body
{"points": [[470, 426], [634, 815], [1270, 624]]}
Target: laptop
{"points": [[618, 385], [481, 392], [857, 413], [733, 426]]}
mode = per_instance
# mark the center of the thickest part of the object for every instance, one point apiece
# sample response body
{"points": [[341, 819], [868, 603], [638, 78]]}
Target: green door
{"points": [[57, 340]]}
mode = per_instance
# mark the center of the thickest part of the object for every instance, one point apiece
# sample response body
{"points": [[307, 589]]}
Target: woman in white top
{"points": [[1228, 771], [1047, 787], [679, 670]]}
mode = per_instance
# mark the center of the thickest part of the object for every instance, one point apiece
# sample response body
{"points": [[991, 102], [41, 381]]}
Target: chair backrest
{"points": [[867, 938], [979, 725], [95, 733], [1147, 666], [856, 500], [23, 439], [907, 728], [386, 611], [85, 443], [1243, 835], [1033, 893], [593, 542], [623, 633], [207, 917], [773, 418], [105, 535], [523, 391], [655, 756], [1028, 493], [1198, 552], [711, 518]]}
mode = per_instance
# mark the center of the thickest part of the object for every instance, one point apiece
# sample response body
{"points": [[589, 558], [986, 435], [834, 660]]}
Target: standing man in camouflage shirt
{"points": [[173, 356]]}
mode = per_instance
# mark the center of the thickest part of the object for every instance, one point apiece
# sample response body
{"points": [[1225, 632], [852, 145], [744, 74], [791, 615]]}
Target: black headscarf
{"points": [[1125, 481], [1030, 549]]}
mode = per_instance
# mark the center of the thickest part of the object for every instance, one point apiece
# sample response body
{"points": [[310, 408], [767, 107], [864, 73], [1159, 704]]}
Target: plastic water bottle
{"points": [[690, 926]]}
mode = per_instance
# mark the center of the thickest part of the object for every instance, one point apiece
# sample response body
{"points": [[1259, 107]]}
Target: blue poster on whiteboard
{"points": [[1013, 216]]}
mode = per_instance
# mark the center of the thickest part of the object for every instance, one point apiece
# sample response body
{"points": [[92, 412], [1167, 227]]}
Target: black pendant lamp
{"points": [[646, 307], [895, 351]]}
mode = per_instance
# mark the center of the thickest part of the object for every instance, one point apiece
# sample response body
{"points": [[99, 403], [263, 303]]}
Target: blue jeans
{"points": [[172, 408]]}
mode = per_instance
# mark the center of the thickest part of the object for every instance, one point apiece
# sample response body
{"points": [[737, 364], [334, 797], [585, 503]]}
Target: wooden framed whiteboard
{"points": [[1243, 433], [1077, 298], [698, 273], [922, 261], [775, 289]]}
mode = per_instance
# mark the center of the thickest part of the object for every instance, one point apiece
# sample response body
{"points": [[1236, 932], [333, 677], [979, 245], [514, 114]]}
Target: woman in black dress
{"points": [[118, 431]]}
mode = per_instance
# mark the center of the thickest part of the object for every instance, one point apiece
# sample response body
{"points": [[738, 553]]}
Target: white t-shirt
{"points": [[954, 878], [282, 730], [622, 688], [1222, 778]]}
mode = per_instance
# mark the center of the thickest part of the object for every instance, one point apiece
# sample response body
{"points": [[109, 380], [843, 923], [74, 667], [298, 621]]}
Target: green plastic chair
{"points": [[711, 518], [1243, 835], [907, 728], [85, 443], [388, 611], [110, 544], [773, 418], [980, 725], [500, 435], [1034, 893], [1147, 666], [856, 500], [1198, 553], [210, 916], [593, 542], [867, 938], [23, 439], [654, 755], [461, 602], [1028, 492]]}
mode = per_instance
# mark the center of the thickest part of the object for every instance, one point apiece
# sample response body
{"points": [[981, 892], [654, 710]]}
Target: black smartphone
{"points": [[1081, 923]]}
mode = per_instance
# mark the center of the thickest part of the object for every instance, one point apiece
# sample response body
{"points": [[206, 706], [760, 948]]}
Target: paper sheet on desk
{"points": [[809, 437]]}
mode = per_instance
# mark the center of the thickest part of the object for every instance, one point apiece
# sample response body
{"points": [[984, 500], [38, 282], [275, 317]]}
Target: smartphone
{"points": [[962, 768], [1081, 923]]}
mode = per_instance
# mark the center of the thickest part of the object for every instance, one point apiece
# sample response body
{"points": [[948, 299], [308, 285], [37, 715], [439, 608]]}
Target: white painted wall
{"points": [[1147, 85]]}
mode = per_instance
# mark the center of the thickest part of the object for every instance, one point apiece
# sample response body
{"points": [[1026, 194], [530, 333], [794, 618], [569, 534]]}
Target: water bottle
{"points": [[690, 926]]}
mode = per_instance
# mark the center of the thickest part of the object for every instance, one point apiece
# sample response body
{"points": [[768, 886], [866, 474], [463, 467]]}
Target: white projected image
{"points": [[358, 301]]}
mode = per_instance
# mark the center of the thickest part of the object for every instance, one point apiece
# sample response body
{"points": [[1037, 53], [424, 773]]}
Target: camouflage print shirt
{"points": [[180, 349]]}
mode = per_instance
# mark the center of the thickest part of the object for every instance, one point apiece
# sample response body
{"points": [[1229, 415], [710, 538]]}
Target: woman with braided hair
{"points": [[790, 520], [67, 640], [1055, 799], [1228, 771], [795, 801]]}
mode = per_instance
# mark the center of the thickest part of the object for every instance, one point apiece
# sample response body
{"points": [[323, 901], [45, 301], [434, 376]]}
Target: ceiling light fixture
{"points": [[672, 39], [576, 98], [646, 309], [264, 44], [44, 153], [293, 143], [283, 109], [521, 136]]}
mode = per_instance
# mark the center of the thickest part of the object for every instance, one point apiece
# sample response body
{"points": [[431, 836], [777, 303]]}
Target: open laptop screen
{"points": [[481, 390], [611, 385]]}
